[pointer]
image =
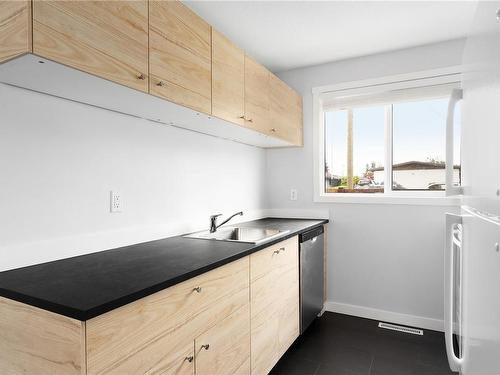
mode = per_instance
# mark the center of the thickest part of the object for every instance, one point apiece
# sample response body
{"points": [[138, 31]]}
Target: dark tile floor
{"points": [[337, 344]]}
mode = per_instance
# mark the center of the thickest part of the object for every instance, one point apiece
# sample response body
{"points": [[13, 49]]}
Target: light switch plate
{"points": [[293, 194], [116, 203]]}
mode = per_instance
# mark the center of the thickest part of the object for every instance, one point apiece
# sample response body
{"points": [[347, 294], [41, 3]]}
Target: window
{"points": [[388, 139]]}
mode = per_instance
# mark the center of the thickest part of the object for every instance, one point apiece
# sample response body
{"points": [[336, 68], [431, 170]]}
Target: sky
{"points": [[419, 132]]}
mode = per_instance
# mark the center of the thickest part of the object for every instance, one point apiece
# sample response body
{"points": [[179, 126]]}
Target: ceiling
{"points": [[284, 35]]}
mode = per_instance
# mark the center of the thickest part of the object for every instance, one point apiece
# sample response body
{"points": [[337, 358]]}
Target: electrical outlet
{"points": [[116, 203], [293, 194]]}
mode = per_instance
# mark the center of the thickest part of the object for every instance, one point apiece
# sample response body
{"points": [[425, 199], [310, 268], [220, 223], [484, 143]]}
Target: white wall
{"points": [[60, 159], [384, 261]]}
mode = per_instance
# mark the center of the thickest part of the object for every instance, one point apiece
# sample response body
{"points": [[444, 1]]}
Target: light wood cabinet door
{"points": [[274, 300], [256, 96], [225, 348], [228, 80], [285, 112], [180, 55], [106, 38], [15, 28]]}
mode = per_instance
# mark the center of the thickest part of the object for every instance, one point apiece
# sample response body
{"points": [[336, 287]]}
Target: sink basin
{"points": [[239, 234]]}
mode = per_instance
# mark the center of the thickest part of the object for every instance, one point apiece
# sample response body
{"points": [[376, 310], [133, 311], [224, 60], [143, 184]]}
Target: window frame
{"points": [[450, 75]]}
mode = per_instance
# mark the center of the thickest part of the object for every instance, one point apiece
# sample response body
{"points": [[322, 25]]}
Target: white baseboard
{"points": [[385, 316]]}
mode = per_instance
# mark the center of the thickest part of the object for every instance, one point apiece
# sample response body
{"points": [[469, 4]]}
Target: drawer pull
{"points": [[160, 84], [141, 76], [273, 130], [189, 359], [279, 250], [197, 289], [206, 347]]}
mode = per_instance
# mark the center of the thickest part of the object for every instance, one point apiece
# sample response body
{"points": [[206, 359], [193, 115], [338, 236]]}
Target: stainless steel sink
{"points": [[239, 234]]}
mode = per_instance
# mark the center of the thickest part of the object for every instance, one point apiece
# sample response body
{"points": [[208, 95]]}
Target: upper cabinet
{"points": [[105, 38], [15, 29], [180, 56], [157, 47], [257, 96], [285, 107], [228, 79]]}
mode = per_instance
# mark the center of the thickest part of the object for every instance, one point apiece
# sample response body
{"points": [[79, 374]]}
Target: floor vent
{"points": [[394, 327]]}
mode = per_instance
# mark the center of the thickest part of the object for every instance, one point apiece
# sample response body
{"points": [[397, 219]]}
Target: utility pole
{"points": [[350, 184]]}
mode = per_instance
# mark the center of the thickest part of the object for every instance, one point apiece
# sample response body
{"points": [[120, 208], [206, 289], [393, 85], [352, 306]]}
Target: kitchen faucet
{"points": [[213, 221]]}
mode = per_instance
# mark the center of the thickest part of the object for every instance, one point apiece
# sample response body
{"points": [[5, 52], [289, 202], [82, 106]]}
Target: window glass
{"points": [[354, 150], [419, 145]]}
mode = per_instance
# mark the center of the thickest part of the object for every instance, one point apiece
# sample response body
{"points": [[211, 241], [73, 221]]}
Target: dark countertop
{"points": [[86, 286]]}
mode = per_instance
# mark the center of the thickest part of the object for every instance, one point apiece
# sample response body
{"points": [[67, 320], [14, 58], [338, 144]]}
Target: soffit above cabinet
{"points": [[41, 75]]}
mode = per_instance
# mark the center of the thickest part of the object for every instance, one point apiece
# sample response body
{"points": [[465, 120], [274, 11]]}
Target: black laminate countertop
{"points": [[89, 285]]}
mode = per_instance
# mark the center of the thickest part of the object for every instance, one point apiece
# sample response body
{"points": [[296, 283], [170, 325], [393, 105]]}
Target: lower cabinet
{"points": [[150, 335], [274, 296], [238, 319]]}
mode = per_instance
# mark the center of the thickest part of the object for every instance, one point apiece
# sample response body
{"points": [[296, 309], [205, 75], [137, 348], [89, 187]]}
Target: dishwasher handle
{"points": [[311, 234]]}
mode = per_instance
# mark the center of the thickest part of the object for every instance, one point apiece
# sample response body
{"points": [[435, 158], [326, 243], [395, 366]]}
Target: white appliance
{"points": [[472, 253]]}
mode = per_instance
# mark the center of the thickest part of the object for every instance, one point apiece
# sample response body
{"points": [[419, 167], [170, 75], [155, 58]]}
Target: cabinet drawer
{"points": [[225, 348], [145, 331], [274, 258]]}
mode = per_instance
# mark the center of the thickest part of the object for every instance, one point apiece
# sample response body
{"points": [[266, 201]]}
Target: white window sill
{"points": [[360, 198]]}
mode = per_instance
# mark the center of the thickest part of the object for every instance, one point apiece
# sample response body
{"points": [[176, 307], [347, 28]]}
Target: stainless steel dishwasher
{"points": [[312, 271]]}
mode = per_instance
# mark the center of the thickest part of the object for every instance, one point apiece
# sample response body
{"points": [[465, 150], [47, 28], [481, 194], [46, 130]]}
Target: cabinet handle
{"points": [[279, 250], [246, 119], [206, 347], [141, 76], [197, 289], [273, 130], [160, 84], [189, 359]]}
